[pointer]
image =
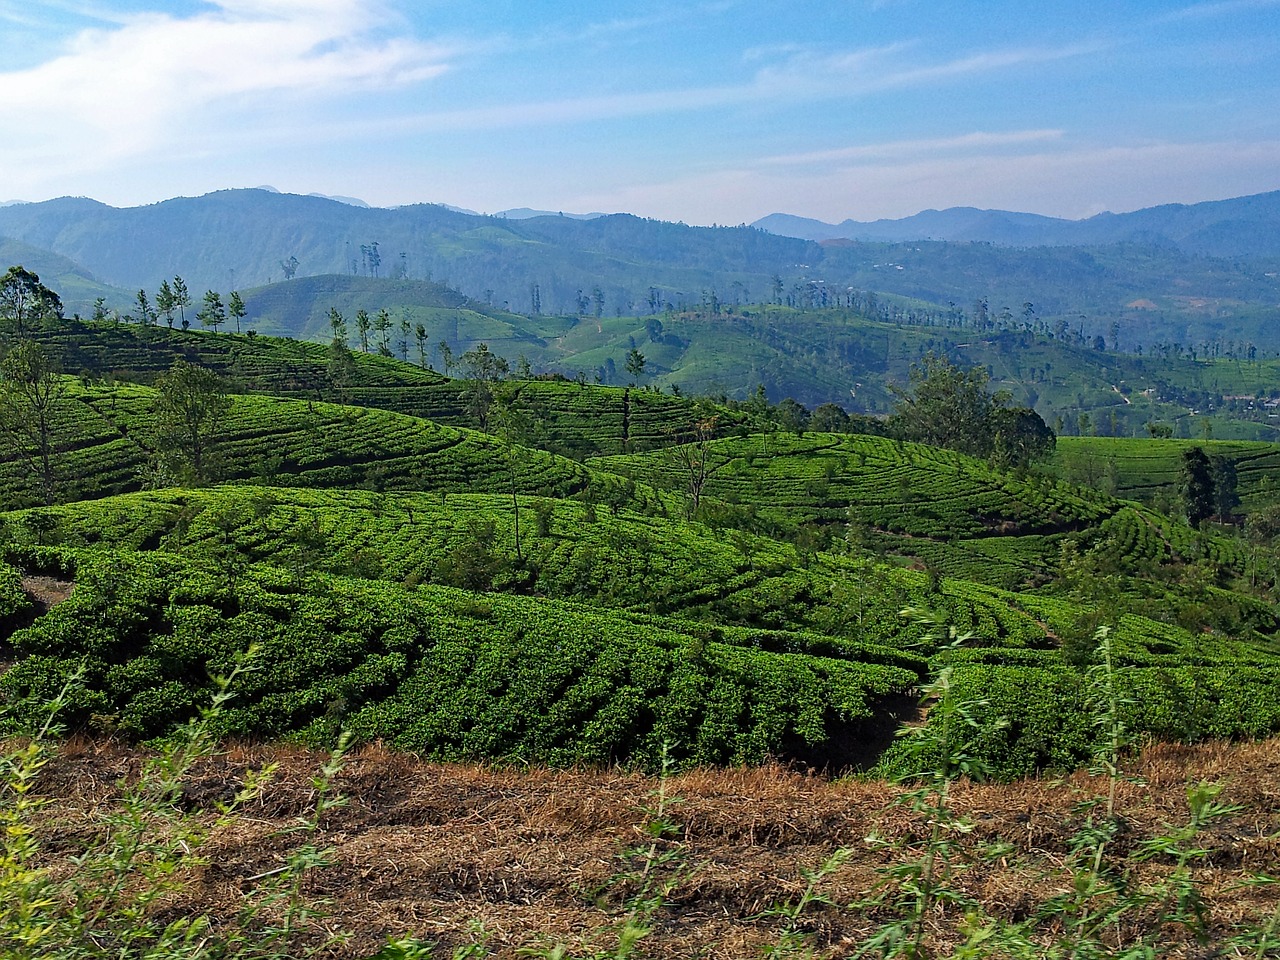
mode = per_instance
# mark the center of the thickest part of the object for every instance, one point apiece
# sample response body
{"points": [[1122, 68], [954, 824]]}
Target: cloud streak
{"points": [[801, 77], [978, 140]]}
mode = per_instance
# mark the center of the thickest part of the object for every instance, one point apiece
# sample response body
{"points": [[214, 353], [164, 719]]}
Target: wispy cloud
{"points": [[802, 76], [978, 140], [121, 91], [1215, 8]]}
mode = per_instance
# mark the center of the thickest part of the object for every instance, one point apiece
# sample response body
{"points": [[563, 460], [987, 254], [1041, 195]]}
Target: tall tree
{"points": [[420, 334], [1195, 486], [31, 391], [181, 300], [236, 308], [635, 363], [382, 324], [363, 326], [1225, 497], [26, 304], [165, 302], [144, 313], [483, 369], [406, 331], [337, 326], [190, 407], [214, 312]]}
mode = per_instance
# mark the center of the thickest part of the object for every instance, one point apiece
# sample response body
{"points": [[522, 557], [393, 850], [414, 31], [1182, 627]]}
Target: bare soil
{"points": [[46, 592], [427, 849]]}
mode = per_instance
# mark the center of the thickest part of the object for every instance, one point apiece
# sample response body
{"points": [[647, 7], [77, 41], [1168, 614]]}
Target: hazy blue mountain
{"points": [[75, 285], [1154, 272], [1239, 227]]}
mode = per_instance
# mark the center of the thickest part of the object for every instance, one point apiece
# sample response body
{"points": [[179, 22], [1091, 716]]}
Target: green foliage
{"points": [[952, 408], [431, 670], [190, 405]]}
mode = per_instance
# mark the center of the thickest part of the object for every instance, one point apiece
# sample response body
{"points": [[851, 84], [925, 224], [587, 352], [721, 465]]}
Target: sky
{"points": [[704, 111]]}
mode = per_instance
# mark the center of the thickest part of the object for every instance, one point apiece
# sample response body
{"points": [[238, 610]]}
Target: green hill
{"points": [[107, 436], [737, 596]]}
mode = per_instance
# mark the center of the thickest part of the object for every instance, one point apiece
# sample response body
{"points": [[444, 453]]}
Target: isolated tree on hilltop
{"points": [[181, 300], [165, 302], [214, 312], [236, 308]]}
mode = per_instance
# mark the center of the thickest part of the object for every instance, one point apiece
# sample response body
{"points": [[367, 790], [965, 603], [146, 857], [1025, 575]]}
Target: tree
{"points": [[30, 392], [692, 456], [635, 363], [382, 324], [406, 332], [829, 418], [290, 267], [236, 308], [165, 302], [1225, 497], [337, 326], [949, 407], [181, 300], [25, 303], [363, 326], [513, 429], [483, 369], [446, 356], [145, 313], [1195, 486], [214, 312], [342, 367], [190, 407], [420, 335]]}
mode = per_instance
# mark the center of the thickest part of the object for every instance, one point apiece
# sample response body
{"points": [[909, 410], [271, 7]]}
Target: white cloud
{"points": [[151, 82]]}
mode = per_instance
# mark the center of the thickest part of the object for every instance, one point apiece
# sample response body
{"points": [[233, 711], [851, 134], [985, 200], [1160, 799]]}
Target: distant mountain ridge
{"points": [[1238, 227], [1182, 274]]}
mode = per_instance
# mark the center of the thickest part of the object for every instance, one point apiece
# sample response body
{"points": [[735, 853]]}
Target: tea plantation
{"points": [[380, 568]]}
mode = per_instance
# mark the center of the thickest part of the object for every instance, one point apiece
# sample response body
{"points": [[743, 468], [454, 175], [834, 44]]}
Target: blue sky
{"points": [[707, 111]]}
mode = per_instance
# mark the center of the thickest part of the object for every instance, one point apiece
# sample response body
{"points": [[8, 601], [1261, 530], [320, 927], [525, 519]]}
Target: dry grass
{"points": [[425, 849]]}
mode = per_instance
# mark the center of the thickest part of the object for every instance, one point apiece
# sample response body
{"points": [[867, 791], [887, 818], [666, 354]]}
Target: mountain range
{"points": [[1239, 227], [1177, 274]]}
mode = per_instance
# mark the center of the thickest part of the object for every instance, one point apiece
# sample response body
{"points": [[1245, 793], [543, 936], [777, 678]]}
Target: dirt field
{"points": [[428, 849]]}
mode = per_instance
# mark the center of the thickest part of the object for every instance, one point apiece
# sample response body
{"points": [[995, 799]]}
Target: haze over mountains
{"points": [[1182, 274], [1239, 227]]}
